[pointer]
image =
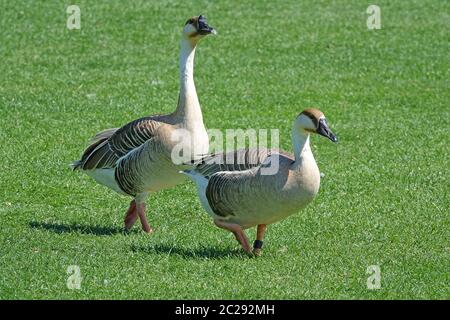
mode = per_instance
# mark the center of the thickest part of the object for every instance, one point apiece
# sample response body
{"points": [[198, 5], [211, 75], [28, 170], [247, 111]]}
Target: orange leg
{"points": [[238, 233], [257, 245], [140, 208], [131, 215]]}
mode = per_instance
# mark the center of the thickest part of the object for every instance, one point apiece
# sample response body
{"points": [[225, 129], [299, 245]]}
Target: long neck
{"points": [[302, 149], [188, 109]]}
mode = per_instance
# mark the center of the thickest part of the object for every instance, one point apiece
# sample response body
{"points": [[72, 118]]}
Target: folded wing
{"points": [[108, 146]]}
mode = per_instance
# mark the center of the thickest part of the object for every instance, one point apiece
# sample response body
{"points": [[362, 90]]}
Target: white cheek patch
{"points": [[306, 123], [189, 29]]}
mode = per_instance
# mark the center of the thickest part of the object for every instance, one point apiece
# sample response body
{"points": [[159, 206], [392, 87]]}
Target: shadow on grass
{"points": [[161, 249], [76, 228], [194, 253]]}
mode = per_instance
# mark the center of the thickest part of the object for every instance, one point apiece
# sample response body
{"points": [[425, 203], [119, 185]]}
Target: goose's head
{"points": [[313, 121], [196, 28]]}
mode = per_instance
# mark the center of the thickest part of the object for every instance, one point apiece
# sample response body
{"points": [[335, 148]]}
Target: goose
{"points": [[245, 193], [136, 159]]}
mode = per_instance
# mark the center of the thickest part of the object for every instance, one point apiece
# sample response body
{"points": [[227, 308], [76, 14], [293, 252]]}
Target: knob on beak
{"points": [[325, 131], [203, 27]]}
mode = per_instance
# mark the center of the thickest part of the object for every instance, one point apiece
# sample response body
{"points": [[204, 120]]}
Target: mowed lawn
{"points": [[384, 197]]}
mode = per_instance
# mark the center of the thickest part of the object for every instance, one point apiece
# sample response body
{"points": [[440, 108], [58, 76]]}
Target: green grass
{"points": [[384, 199]]}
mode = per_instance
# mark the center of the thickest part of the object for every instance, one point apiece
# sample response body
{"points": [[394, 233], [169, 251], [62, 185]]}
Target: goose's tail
{"points": [[75, 165], [188, 172], [195, 176], [93, 144]]}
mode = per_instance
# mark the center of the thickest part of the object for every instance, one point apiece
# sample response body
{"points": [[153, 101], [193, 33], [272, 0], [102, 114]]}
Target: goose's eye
{"points": [[189, 21]]}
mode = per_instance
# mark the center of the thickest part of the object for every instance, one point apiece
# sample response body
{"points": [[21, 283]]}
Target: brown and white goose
{"points": [[248, 193], [136, 159]]}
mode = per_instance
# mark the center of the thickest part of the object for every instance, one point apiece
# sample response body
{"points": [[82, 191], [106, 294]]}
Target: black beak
{"points": [[203, 28], [325, 131]]}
